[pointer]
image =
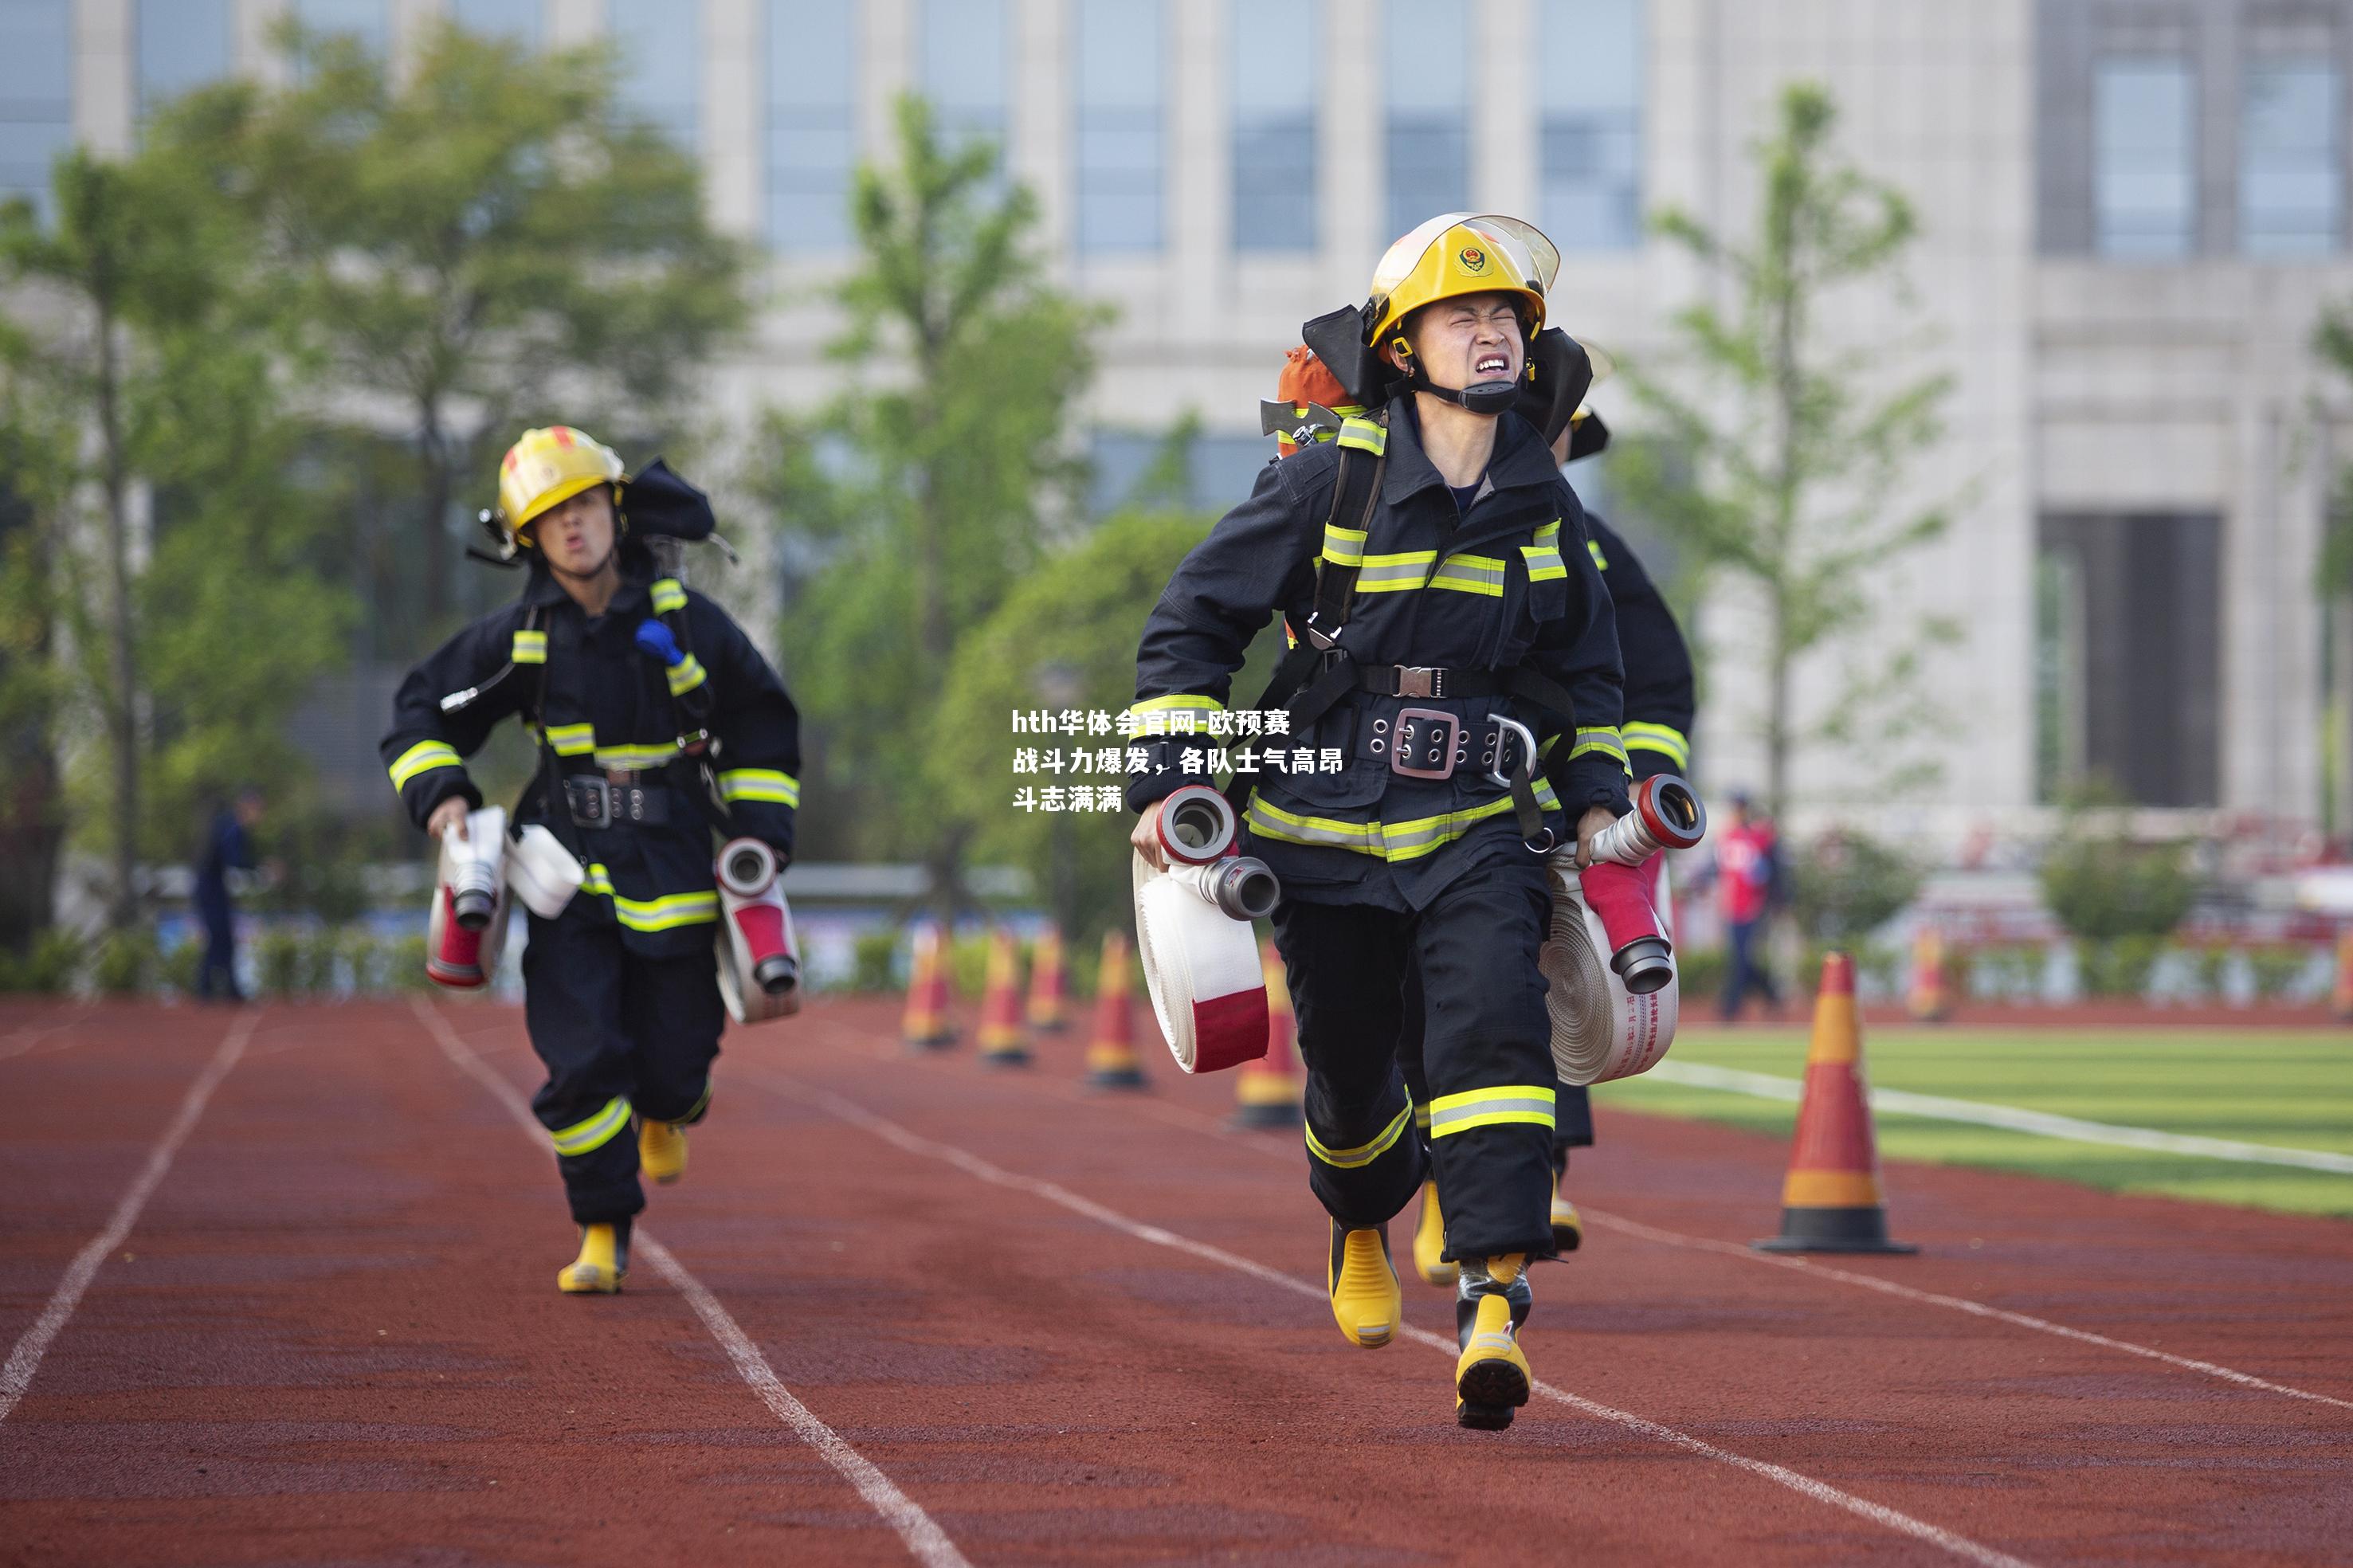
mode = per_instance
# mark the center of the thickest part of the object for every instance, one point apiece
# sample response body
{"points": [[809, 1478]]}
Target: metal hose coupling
{"points": [[1667, 815], [1239, 886], [747, 871]]}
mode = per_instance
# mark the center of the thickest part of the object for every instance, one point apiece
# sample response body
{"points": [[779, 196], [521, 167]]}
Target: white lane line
{"points": [[1955, 1303], [23, 1040], [974, 1165], [927, 1542], [2014, 1119], [25, 1359], [1178, 1116]]}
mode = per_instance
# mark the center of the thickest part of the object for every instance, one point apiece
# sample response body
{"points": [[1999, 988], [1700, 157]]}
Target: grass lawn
{"points": [[2289, 1089]]}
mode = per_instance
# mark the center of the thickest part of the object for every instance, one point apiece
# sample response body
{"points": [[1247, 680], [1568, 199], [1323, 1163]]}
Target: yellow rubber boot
{"points": [[1429, 1241], [1365, 1300], [600, 1268], [1491, 1378], [661, 1150], [1567, 1226]]}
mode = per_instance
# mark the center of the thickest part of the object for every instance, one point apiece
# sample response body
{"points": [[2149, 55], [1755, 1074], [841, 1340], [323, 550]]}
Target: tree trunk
{"points": [[440, 485], [123, 701]]}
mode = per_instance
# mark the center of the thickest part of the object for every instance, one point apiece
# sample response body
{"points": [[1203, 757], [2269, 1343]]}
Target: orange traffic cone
{"points": [[1049, 985], [1928, 999], [1002, 1042], [2341, 999], [1111, 1055], [1831, 1201], [926, 1026], [1266, 1091]]}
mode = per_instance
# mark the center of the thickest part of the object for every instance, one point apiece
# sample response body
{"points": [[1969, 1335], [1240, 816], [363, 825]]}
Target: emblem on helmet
{"points": [[1473, 258]]}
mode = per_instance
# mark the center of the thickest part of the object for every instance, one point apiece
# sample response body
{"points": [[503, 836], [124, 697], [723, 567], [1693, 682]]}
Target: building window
{"points": [[1119, 115], [1591, 77], [2144, 156], [2291, 177], [181, 45], [516, 19], [1277, 61], [1428, 71], [962, 68], [661, 50], [2128, 660], [812, 124], [360, 19], [35, 95]]}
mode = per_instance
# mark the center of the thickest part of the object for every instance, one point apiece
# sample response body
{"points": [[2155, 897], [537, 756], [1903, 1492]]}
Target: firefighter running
{"points": [[1457, 649], [655, 719]]}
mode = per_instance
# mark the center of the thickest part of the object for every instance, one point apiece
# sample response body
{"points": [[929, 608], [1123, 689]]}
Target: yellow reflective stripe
{"points": [[759, 783], [571, 739], [597, 879], [662, 914], [1549, 534], [685, 676], [1421, 1117], [423, 758], [1363, 1155], [667, 595], [1518, 1104], [529, 647], [1481, 574], [1343, 546], [583, 1137], [1604, 741], [1365, 435], [1389, 840], [1544, 564], [635, 755], [1398, 574], [1668, 742], [1593, 547]]}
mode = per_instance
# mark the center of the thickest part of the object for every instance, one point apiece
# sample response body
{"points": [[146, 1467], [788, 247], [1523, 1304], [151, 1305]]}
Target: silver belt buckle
{"points": [[1442, 739], [1418, 680]]}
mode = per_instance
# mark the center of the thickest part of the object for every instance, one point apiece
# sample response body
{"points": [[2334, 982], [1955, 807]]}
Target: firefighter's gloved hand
{"points": [[654, 639]]}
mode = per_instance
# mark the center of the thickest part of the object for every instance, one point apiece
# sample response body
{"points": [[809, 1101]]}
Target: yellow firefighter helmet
{"points": [[1463, 253], [545, 468]]}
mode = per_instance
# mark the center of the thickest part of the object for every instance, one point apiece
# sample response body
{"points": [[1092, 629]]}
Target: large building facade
{"points": [[2132, 214]]}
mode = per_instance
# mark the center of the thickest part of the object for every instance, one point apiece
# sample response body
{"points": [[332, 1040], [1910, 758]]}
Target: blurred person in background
{"points": [[1748, 880], [228, 845]]}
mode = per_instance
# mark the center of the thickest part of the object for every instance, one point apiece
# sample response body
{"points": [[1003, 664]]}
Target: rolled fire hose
{"points": [[759, 961], [1193, 935], [466, 929], [1601, 1029]]}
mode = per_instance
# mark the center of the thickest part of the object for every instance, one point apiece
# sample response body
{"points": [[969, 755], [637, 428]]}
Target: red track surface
{"points": [[332, 1336]]}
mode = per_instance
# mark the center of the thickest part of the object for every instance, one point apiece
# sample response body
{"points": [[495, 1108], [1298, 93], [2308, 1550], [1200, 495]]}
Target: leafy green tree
{"points": [[1778, 463], [925, 491], [37, 448], [482, 240]]}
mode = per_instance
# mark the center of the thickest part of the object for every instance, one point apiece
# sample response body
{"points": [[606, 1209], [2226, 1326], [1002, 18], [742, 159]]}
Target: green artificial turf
{"points": [[2288, 1089]]}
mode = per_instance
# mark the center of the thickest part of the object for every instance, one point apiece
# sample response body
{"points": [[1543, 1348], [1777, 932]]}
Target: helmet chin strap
{"points": [[1485, 397]]}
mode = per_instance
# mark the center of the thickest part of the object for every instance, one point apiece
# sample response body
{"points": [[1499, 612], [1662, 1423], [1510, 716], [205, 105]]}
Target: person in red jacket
{"points": [[1748, 878]]}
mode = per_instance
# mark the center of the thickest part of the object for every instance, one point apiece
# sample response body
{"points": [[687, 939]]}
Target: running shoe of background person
{"points": [[1365, 1300], [1491, 1379], [603, 1262]]}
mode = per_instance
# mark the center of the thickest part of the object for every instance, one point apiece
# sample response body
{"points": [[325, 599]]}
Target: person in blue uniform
{"points": [[228, 846]]}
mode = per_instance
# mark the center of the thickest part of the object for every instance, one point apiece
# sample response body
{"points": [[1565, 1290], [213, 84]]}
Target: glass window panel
{"points": [[812, 124], [1277, 61], [2291, 179], [361, 19], [181, 44], [35, 95], [961, 66], [2143, 166], [1118, 94], [517, 19], [1590, 89], [1427, 52], [660, 48]]}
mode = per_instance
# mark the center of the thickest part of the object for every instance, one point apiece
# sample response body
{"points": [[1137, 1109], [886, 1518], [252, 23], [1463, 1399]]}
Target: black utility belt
{"points": [[1431, 743], [1428, 681], [612, 799]]}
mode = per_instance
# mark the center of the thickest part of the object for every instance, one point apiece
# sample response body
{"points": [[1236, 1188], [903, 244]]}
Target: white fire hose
{"points": [[759, 960], [1193, 935]]}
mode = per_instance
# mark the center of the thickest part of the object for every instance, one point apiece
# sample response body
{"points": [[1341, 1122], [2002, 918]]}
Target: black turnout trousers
{"points": [[1486, 1043], [619, 1034]]}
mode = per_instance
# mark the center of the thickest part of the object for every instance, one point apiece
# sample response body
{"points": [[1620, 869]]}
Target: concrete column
{"points": [[1039, 120], [571, 22], [886, 69], [105, 91], [1199, 121], [1503, 108], [1351, 148], [734, 57]]}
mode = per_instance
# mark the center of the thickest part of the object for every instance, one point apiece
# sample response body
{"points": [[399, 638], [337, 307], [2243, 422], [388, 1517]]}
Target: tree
{"points": [[924, 489], [1779, 468], [483, 241]]}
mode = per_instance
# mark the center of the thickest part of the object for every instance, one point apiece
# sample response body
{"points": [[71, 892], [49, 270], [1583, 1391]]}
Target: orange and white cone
{"points": [[1112, 1062], [1832, 1200], [925, 1025], [1049, 985], [1267, 1091], [2341, 997], [1002, 1041], [1928, 999]]}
